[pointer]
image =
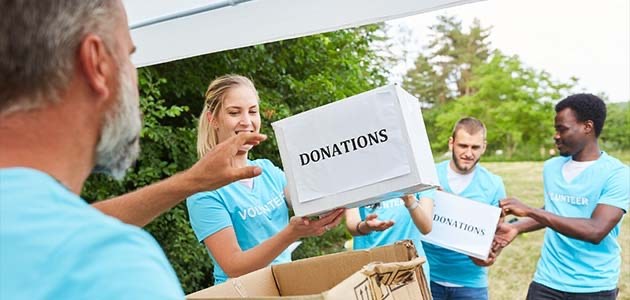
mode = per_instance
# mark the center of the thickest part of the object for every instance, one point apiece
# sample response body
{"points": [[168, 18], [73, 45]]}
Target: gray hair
{"points": [[38, 45]]}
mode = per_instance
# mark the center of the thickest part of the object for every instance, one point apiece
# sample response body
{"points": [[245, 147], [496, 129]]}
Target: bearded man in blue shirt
{"points": [[454, 275], [69, 106]]}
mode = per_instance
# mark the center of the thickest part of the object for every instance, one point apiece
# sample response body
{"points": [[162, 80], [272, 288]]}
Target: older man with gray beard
{"points": [[68, 107]]}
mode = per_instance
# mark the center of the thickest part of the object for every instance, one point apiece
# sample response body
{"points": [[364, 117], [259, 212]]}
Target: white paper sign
{"points": [[463, 225], [347, 139]]}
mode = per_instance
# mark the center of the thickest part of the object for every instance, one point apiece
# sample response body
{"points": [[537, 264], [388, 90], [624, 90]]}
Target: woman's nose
{"points": [[244, 120]]}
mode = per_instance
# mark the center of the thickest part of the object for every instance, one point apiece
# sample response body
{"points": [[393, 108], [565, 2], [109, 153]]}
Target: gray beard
{"points": [[119, 144]]}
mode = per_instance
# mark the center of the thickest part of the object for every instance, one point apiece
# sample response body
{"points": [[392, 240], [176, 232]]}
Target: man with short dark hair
{"points": [[586, 195], [455, 275], [68, 107]]}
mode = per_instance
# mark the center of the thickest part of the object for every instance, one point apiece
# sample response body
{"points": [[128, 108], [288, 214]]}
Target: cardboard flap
{"points": [[401, 251], [303, 277], [258, 283], [395, 273], [392, 281]]}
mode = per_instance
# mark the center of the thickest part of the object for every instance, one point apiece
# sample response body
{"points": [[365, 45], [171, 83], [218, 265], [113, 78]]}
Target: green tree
{"points": [[445, 71], [513, 100], [615, 135], [458, 76]]}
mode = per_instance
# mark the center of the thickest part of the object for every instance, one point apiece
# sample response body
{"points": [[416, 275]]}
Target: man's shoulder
{"points": [[489, 175], [54, 233], [556, 161], [111, 238], [611, 163], [106, 249], [440, 167]]}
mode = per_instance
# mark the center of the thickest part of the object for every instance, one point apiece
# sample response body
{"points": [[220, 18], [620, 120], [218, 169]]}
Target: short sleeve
{"points": [[500, 192], [616, 192], [110, 263], [426, 194], [207, 214]]}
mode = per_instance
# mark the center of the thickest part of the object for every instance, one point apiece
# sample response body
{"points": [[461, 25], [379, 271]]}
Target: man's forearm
{"points": [[211, 172], [526, 224], [140, 207], [577, 228]]}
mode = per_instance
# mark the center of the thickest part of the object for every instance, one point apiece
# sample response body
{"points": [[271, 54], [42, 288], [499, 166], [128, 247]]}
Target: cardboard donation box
{"points": [[354, 152], [463, 225], [392, 272]]}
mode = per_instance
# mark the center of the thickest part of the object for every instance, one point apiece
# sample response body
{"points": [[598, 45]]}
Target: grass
{"points": [[511, 274]]}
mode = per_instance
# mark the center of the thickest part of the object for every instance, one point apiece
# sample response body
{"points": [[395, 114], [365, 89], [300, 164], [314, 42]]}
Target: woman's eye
{"points": [[233, 113]]}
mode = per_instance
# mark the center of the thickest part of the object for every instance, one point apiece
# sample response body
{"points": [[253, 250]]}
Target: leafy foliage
{"points": [[514, 102], [445, 72], [616, 133], [461, 77]]}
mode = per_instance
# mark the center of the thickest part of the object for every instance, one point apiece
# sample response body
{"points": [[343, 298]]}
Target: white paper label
{"points": [[348, 146], [463, 225]]}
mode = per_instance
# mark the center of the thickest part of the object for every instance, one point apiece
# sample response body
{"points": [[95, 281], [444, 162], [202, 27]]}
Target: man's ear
{"points": [[96, 65], [589, 127], [450, 143]]}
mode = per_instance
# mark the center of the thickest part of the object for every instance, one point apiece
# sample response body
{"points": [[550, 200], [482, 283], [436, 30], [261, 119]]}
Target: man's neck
{"points": [[590, 152], [52, 140]]}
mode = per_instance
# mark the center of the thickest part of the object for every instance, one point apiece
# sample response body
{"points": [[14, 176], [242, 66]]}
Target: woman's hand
{"points": [[303, 227]]}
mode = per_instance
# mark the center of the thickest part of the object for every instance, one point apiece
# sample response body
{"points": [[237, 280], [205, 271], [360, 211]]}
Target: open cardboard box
{"points": [[390, 272]]}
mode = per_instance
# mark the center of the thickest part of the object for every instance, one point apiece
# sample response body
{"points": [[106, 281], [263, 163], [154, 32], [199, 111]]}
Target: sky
{"points": [[589, 40]]}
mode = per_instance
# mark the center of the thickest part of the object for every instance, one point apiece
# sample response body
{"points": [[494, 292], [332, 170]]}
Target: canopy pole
{"points": [[186, 13]]}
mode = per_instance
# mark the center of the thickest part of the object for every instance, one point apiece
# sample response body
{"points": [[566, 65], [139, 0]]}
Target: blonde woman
{"points": [[245, 225]]}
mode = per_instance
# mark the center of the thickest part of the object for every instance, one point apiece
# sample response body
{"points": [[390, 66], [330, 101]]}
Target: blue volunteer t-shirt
{"points": [[568, 264], [403, 229], [256, 214], [53, 245], [450, 266]]}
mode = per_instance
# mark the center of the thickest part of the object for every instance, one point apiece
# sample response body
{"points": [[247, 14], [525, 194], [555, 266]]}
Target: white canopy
{"points": [[166, 30]]}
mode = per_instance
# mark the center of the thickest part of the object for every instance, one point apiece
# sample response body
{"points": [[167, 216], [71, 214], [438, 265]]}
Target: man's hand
{"points": [[217, 168], [504, 235], [513, 206], [492, 257]]}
